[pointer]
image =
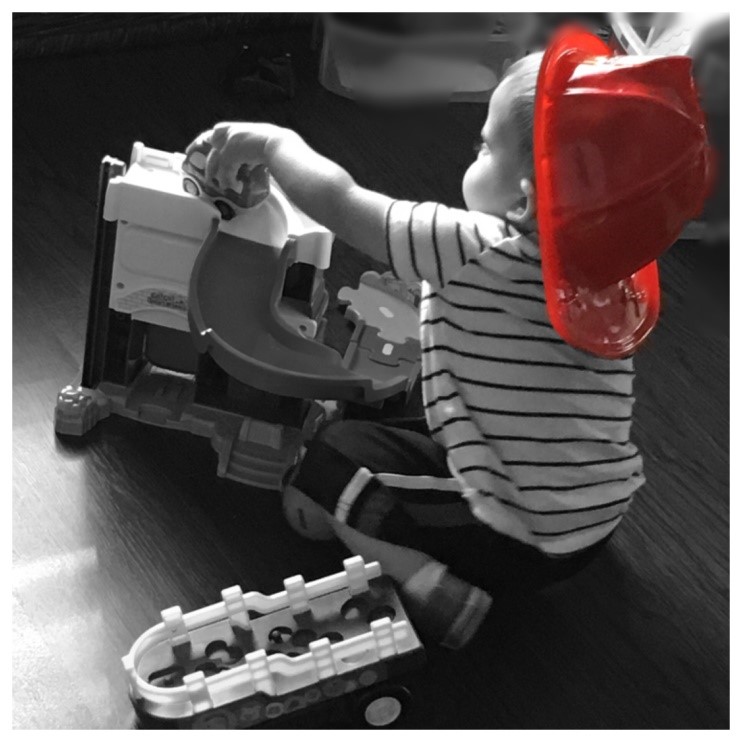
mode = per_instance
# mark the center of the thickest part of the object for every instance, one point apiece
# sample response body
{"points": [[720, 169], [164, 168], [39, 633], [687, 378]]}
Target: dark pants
{"points": [[390, 480]]}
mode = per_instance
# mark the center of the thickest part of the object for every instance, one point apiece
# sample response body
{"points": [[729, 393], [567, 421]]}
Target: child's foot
{"points": [[446, 610], [450, 609]]}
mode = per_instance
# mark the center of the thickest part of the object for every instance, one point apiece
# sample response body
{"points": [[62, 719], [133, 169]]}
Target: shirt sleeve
{"points": [[432, 242]]}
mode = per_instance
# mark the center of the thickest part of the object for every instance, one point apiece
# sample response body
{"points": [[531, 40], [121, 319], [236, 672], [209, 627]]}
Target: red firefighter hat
{"points": [[622, 161]]}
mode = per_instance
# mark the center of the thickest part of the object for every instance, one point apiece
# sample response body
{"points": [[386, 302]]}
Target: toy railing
{"points": [[276, 674]]}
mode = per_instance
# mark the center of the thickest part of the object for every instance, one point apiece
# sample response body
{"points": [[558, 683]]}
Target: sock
{"points": [[447, 610], [443, 608]]}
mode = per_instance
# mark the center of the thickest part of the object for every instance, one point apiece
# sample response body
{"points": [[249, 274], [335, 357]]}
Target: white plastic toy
{"points": [[161, 229], [252, 659]]}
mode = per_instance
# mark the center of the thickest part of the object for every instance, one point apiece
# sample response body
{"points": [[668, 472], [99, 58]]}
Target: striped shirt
{"points": [[537, 432]]}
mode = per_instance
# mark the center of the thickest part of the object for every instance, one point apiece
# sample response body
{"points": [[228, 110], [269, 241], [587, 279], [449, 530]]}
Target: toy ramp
{"points": [[235, 292]]}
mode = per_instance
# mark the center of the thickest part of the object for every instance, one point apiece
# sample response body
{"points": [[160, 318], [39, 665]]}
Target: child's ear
{"points": [[525, 212]]}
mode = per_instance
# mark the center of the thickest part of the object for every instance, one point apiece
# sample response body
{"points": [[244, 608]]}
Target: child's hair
{"points": [[523, 76]]}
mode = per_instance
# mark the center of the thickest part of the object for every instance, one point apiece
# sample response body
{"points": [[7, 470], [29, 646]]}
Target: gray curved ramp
{"points": [[234, 294]]}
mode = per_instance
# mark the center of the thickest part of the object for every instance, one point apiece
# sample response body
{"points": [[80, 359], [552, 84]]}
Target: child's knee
{"points": [[338, 434]]}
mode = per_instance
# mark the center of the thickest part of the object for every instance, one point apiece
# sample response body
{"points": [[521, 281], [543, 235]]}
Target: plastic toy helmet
{"points": [[622, 161]]}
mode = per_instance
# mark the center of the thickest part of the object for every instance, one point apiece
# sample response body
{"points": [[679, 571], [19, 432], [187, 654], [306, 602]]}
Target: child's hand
{"points": [[234, 144], [315, 185]]}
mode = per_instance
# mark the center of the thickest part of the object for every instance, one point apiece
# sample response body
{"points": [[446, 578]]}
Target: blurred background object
{"points": [[661, 33], [262, 70], [409, 57], [422, 24], [457, 57], [704, 36], [404, 58], [532, 31], [710, 52], [62, 34]]}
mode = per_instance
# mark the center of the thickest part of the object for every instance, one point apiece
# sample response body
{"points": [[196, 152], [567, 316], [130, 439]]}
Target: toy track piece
{"points": [[385, 353], [390, 284], [367, 354], [385, 303], [265, 352]]}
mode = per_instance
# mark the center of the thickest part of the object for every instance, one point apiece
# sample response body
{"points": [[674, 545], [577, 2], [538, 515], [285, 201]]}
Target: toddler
{"points": [[523, 464]]}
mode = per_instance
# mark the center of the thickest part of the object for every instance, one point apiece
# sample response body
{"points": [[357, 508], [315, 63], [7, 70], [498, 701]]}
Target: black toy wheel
{"points": [[383, 706], [225, 210], [190, 186]]}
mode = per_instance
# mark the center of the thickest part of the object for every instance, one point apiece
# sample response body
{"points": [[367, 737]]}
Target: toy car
{"points": [[255, 183], [253, 659]]}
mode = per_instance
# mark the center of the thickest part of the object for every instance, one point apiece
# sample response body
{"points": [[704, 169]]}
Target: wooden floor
{"points": [[109, 530]]}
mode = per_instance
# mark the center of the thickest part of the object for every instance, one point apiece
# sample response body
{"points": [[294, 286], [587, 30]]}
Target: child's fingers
{"points": [[212, 165], [233, 145], [237, 151], [227, 173], [220, 134], [199, 141]]}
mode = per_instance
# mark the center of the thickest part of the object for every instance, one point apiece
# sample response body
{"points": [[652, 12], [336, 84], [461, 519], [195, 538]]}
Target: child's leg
{"points": [[458, 607], [335, 488], [472, 550], [403, 523], [446, 608], [352, 469], [428, 514]]}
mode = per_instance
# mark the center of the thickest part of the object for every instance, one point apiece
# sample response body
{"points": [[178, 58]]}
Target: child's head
{"points": [[500, 180]]}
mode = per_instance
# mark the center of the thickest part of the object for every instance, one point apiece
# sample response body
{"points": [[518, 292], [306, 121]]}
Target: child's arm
{"points": [[425, 241], [316, 185]]}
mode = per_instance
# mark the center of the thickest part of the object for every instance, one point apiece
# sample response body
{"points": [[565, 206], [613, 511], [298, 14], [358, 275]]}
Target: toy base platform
{"points": [[252, 451], [253, 659]]}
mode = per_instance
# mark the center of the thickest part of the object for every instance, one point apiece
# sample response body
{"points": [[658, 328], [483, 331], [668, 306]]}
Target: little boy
{"points": [[523, 463]]}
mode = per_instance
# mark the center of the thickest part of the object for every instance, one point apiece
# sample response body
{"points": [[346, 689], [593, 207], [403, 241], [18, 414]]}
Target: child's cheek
{"points": [[474, 187]]}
